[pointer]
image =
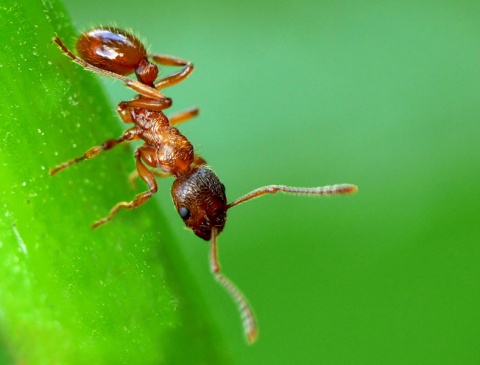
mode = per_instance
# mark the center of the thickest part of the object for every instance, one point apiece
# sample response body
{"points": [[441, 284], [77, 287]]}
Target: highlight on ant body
{"points": [[197, 193]]}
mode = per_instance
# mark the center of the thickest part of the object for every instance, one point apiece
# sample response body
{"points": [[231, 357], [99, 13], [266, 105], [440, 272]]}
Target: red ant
{"points": [[197, 193]]}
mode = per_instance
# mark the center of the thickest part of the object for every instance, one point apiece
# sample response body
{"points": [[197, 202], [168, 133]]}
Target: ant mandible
{"points": [[197, 192]]}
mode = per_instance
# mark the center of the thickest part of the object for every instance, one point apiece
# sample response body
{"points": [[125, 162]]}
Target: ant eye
{"points": [[184, 213]]}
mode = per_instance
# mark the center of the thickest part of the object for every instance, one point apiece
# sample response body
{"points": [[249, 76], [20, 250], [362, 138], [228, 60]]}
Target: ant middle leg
{"points": [[156, 172], [128, 135], [198, 160], [141, 198], [183, 116]]}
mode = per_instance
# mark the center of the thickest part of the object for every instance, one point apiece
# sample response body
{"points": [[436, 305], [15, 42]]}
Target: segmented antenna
{"points": [[272, 189], [250, 328]]}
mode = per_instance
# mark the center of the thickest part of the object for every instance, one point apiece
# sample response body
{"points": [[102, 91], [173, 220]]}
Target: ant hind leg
{"points": [[184, 116], [176, 77], [144, 103]]}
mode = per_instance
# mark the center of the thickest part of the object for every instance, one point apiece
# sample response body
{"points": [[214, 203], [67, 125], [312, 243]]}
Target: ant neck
{"points": [[146, 72]]}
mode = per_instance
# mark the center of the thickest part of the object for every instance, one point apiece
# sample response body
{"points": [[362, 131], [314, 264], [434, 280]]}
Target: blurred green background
{"points": [[385, 95]]}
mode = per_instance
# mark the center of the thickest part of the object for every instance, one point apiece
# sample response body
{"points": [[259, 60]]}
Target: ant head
{"points": [[200, 199]]}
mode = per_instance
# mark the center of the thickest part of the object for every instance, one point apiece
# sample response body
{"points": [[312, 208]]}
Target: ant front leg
{"points": [[128, 135], [176, 77], [141, 198], [197, 161]]}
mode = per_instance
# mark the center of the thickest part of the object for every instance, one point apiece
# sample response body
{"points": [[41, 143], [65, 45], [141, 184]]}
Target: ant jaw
{"points": [[205, 230], [205, 233]]}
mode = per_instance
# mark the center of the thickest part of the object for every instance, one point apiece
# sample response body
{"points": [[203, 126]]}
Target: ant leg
{"points": [[148, 104], [141, 198], [176, 77], [250, 328], [135, 85], [183, 116], [124, 108], [156, 172], [272, 189], [198, 160], [128, 135]]}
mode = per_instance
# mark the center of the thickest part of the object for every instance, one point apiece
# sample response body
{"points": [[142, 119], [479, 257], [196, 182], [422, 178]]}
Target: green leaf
{"points": [[69, 294]]}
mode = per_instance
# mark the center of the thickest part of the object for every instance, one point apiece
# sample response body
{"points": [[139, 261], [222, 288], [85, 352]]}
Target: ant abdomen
{"points": [[200, 199], [117, 51]]}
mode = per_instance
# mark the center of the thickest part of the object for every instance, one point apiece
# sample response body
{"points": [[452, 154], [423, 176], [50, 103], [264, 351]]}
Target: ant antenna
{"points": [[250, 328], [249, 322], [272, 189]]}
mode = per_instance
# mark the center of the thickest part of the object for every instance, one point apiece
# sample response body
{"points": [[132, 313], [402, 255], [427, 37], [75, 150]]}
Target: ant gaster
{"points": [[197, 193]]}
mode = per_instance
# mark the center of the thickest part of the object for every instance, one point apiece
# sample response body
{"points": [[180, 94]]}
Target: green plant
{"points": [[119, 294]]}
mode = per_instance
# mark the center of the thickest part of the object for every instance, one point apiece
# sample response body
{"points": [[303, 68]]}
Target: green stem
{"points": [[69, 294]]}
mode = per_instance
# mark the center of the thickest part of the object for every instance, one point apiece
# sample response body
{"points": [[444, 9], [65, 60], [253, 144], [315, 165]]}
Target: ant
{"points": [[198, 194]]}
